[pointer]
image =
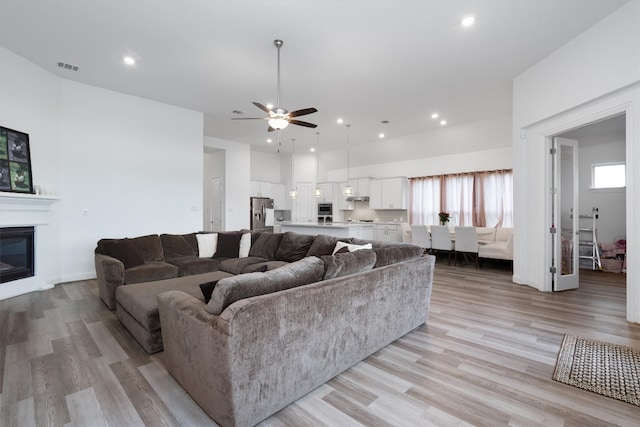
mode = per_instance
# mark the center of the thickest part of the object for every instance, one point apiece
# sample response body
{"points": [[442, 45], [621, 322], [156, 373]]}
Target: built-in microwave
{"points": [[325, 209]]}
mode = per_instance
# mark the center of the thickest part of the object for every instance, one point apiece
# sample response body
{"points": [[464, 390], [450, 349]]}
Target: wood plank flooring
{"points": [[485, 358]]}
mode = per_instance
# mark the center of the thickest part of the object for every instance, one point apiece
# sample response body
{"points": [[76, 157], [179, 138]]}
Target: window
{"points": [[608, 175]]}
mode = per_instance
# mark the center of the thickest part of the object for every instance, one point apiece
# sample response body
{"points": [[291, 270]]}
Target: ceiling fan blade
{"points": [[262, 107], [301, 123], [270, 129], [250, 118], [302, 112]]}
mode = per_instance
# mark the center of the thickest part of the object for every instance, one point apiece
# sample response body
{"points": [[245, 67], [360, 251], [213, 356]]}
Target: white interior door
{"points": [[565, 214], [216, 220]]}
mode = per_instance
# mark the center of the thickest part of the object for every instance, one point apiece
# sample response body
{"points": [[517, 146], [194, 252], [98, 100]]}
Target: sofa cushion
{"points": [[266, 245], [245, 245], [348, 263], [176, 246], [232, 289], [228, 245], [263, 266], [123, 250], [392, 252], [237, 265], [324, 245], [150, 271], [207, 244], [150, 247], [190, 265], [294, 246]]}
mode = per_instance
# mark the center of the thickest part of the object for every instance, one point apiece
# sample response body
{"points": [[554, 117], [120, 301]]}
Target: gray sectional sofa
{"points": [[280, 322]]}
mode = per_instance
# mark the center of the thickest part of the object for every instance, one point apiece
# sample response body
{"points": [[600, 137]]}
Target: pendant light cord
{"points": [[348, 150]]}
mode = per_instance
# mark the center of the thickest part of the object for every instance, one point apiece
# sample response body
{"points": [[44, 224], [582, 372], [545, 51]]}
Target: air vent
{"points": [[237, 112], [384, 122], [68, 66]]}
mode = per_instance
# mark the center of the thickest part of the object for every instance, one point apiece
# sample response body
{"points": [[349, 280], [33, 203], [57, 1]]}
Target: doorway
{"points": [[597, 218]]}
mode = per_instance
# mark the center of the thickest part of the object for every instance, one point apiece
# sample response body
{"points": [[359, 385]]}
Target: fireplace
{"points": [[16, 253]]}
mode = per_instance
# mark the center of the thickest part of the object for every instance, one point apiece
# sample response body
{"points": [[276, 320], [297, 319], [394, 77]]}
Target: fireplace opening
{"points": [[16, 253]]}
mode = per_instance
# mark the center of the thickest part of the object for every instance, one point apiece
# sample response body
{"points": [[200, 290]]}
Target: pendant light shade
{"points": [[347, 190], [317, 192]]}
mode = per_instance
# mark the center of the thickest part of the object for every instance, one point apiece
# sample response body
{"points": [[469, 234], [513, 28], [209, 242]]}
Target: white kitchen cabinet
{"points": [[278, 196], [303, 207], [260, 189], [360, 186], [330, 192], [388, 193], [387, 232]]}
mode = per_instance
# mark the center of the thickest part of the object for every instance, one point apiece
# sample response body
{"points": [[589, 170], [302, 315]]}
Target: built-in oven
{"points": [[325, 212]]}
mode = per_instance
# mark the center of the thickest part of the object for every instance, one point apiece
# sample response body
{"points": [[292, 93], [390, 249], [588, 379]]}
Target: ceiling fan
{"points": [[279, 118]]}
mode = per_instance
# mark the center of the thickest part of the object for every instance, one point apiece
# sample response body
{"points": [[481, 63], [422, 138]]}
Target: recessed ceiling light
{"points": [[313, 150], [467, 21], [269, 140], [129, 60], [443, 122], [381, 135], [339, 121], [435, 115]]}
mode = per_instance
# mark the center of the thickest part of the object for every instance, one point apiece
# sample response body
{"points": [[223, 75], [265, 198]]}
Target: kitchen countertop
{"points": [[327, 225]]}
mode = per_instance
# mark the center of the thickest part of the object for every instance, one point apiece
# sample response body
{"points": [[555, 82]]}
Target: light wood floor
{"points": [[484, 358]]}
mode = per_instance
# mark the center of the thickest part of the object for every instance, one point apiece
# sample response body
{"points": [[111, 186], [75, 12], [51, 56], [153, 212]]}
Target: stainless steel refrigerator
{"points": [[261, 214]]}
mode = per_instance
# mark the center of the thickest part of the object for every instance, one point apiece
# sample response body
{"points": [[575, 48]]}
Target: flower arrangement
{"points": [[444, 217]]}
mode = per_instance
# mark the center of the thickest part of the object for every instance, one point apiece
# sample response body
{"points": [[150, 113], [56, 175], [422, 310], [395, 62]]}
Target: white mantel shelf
{"points": [[17, 209]]}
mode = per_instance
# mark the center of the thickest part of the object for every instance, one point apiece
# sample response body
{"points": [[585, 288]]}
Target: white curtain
{"points": [[458, 199], [424, 203]]}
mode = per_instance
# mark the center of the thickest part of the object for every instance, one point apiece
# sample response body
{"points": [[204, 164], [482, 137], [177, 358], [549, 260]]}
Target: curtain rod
{"points": [[461, 174]]}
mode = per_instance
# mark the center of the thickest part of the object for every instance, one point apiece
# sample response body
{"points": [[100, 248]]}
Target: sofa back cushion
{"points": [[503, 234], [486, 234], [324, 245], [266, 245], [342, 264], [121, 249], [392, 252], [178, 245], [232, 289], [294, 246]]}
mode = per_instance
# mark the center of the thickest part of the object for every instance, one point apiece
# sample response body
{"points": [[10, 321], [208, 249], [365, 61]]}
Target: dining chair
{"points": [[466, 242], [405, 229], [420, 237], [441, 239]]}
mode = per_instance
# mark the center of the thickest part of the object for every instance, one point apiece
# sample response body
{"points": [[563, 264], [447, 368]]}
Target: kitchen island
{"points": [[359, 230]]}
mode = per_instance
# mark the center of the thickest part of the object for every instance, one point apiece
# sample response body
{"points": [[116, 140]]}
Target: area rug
{"points": [[609, 369]]}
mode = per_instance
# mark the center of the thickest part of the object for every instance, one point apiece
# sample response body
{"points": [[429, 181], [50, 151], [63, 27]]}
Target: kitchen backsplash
{"points": [[363, 211]]}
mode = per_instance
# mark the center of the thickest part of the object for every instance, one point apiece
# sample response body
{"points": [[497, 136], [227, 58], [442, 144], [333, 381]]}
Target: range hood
{"points": [[358, 199]]}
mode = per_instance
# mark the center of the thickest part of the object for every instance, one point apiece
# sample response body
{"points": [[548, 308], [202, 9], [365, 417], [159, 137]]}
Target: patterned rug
{"points": [[609, 369]]}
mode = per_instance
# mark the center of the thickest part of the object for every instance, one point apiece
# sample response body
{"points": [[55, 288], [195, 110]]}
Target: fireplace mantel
{"points": [[18, 209]]}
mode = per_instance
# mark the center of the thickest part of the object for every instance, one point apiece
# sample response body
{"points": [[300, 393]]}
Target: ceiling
{"points": [[363, 60]]}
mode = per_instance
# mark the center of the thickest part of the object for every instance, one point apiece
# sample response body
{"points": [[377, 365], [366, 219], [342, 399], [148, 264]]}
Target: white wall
{"points": [[484, 145], [236, 182], [594, 76], [121, 165], [611, 203], [265, 167]]}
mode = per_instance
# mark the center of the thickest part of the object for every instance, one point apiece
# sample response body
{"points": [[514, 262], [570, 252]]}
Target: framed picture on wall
{"points": [[15, 161]]}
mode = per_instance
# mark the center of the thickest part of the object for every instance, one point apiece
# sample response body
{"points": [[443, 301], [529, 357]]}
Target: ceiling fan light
{"points": [[317, 192], [278, 123]]}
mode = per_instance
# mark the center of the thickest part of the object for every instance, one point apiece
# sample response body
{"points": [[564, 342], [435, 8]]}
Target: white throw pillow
{"points": [[245, 245], [207, 244], [350, 247]]}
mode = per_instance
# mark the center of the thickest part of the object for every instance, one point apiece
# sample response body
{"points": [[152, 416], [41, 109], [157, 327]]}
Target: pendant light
{"points": [[347, 190], [317, 192], [294, 189]]}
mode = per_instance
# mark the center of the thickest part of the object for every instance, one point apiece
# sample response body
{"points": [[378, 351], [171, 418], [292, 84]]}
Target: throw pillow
{"points": [[245, 245], [124, 251], [207, 244], [266, 245], [207, 289], [232, 289], [294, 246], [350, 247], [324, 245], [228, 245], [342, 264]]}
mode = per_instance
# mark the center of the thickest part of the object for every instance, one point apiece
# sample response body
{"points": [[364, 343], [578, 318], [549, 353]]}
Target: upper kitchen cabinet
{"points": [[360, 186], [388, 193], [260, 189], [330, 192], [278, 196]]}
